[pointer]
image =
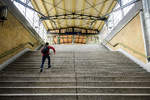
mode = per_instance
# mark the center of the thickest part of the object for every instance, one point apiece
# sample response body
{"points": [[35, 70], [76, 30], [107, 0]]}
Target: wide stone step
{"points": [[77, 60], [73, 79], [115, 83], [38, 65], [38, 71], [89, 84], [84, 65], [74, 96], [37, 68], [49, 71], [80, 61], [77, 70], [102, 58], [37, 75], [94, 59], [66, 62], [72, 67], [115, 74], [75, 76], [76, 67], [110, 71], [72, 75], [105, 78], [76, 64], [113, 90], [35, 84], [20, 90], [32, 79], [96, 64]]}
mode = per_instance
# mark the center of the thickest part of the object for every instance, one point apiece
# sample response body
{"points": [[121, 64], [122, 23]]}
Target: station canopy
{"points": [[83, 15]]}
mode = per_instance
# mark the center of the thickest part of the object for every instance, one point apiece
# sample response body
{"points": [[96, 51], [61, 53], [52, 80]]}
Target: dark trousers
{"points": [[43, 60]]}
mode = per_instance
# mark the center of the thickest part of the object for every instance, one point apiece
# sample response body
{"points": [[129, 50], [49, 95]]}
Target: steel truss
{"points": [[77, 14], [73, 16]]}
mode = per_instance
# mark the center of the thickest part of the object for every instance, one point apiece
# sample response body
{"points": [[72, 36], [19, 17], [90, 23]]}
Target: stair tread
{"points": [[59, 94], [74, 74]]}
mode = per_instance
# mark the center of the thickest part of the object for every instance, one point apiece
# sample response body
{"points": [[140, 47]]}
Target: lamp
{"points": [[3, 13]]}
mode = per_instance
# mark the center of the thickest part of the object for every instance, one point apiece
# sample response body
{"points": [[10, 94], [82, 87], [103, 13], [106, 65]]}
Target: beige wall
{"points": [[131, 36], [13, 33]]}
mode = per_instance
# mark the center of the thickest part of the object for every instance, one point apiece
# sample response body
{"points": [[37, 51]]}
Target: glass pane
{"points": [[32, 18], [126, 9]]}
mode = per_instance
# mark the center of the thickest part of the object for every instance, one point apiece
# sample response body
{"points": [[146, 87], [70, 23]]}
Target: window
{"points": [[20, 7], [32, 18], [116, 16], [126, 9]]}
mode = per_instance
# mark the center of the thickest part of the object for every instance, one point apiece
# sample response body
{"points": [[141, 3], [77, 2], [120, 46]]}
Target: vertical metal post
{"points": [[73, 39], [87, 39], [120, 3], [58, 39], [146, 24]]}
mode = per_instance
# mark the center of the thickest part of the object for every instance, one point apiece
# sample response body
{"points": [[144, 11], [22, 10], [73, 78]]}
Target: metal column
{"points": [[146, 24]]}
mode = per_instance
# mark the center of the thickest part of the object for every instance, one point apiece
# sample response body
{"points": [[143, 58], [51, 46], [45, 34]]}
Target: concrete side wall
{"points": [[132, 36], [13, 33]]}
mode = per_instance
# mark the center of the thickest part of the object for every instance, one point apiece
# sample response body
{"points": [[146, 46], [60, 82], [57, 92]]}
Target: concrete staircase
{"points": [[75, 75]]}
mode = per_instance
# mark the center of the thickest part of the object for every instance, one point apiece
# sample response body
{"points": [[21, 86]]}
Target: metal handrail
{"points": [[125, 46], [22, 45]]}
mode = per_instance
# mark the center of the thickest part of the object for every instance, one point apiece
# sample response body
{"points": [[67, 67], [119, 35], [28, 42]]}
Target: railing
{"points": [[125, 46], [22, 45]]}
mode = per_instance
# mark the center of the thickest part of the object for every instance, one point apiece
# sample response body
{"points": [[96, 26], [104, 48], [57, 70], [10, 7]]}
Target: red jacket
{"points": [[49, 47]]}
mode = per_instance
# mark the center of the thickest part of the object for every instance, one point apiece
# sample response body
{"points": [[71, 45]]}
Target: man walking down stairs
{"points": [[76, 75]]}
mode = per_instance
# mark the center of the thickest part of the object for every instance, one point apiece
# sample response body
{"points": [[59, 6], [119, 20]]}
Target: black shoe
{"points": [[49, 66], [41, 70]]}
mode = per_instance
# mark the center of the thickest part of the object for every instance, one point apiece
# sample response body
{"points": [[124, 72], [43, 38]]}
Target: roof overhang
{"points": [[88, 14]]}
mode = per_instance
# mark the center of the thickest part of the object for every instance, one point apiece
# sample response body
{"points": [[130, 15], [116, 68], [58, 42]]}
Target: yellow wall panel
{"points": [[13, 33], [131, 36]]}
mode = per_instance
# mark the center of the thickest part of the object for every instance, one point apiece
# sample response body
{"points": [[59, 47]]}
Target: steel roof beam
{"points": [[93, 6], [82, 12], [108, 10], [25, 5], [57, 6], [74, 28], [46, 13], [56, 12], [104, 4], [64, 16], [87, 8], [75, 18], [73, 11]]}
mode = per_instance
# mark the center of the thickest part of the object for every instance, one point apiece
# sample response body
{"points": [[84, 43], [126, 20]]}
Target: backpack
{"points": [[45, 50]]}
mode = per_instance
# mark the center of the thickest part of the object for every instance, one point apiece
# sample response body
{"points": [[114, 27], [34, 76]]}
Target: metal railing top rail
{"points": [[129, 48], [22, 45]]}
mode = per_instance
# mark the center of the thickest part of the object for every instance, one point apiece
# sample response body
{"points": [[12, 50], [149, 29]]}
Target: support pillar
{"points": [[87, 39], [146, 24], [58, 39], [73, 39]]}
